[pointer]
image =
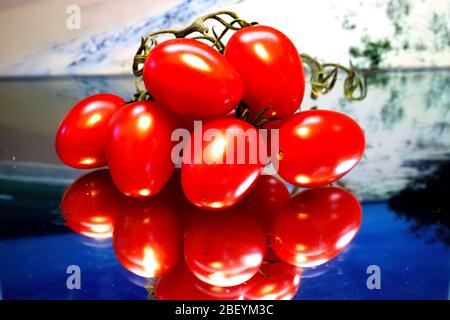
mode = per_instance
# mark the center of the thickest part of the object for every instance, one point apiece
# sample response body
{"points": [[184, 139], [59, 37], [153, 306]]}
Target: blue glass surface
{"points": [[35, 267]]}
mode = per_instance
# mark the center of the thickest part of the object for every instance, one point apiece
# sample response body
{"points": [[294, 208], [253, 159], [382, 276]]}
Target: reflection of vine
{"points": [[323, 76], [150, 287]]}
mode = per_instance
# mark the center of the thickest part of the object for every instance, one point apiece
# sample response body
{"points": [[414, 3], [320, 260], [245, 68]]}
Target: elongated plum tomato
{"points": [[148, 237], [139, 148], [81, 137], [221, 163], [315, 226], [318, 147], [224, 248], [181, 284], [270, 68], [192, 79], [89, 206]]}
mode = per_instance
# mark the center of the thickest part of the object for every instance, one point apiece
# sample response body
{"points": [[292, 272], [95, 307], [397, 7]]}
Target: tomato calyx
{"points": [[258, 120]]}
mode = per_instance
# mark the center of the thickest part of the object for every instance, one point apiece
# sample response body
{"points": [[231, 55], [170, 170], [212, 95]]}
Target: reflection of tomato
{"points": [[181, 284], [224, 249], [139, 148], [147, 237], [81, 137], [208, 180], [271, 70], [192, 79], [276, 280], [315, 226], [317, 147], [265, 199], [90, 203]]}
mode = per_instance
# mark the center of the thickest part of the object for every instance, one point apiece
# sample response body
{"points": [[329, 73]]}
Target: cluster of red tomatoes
{"points": [[254, 250], [254, 247], [188, 80]]}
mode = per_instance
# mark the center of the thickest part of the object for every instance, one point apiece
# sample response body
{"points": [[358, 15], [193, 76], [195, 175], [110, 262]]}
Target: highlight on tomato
{"points": [[225, 248], [148, 237], [315, 226], [89, 206], [192, 79], [82, 134], [221, 163], [318, 147], [271, 70], [139, 148]]}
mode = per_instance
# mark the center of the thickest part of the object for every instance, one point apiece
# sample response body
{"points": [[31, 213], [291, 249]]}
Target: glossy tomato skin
{"points": [[317, 147], [225, 248], [271, 70], [192, 79], [208, 181], [89, 206], [148, 237], [82, 134], [315, 226], [276, 281], [181, 284], [139, 148]]}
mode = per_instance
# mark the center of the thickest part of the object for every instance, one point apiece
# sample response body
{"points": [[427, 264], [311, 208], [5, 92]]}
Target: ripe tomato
{"points": [[270, 68], [317, 147], [210, 181], [192, 79], [81, 136], [315, 226], [139, 148], [181, 284], [90, 204], [224, 249], [276, 280], [148, 237]]}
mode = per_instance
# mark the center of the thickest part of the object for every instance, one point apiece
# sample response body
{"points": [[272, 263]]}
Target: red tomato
{"points": [[192, 79], [139, 148], [224, 249], [213, 182], [318, 147], [81, 136], [270, 68], [181, 284], [90, 204], [148, 237], [315, 226], [276, 280]]}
